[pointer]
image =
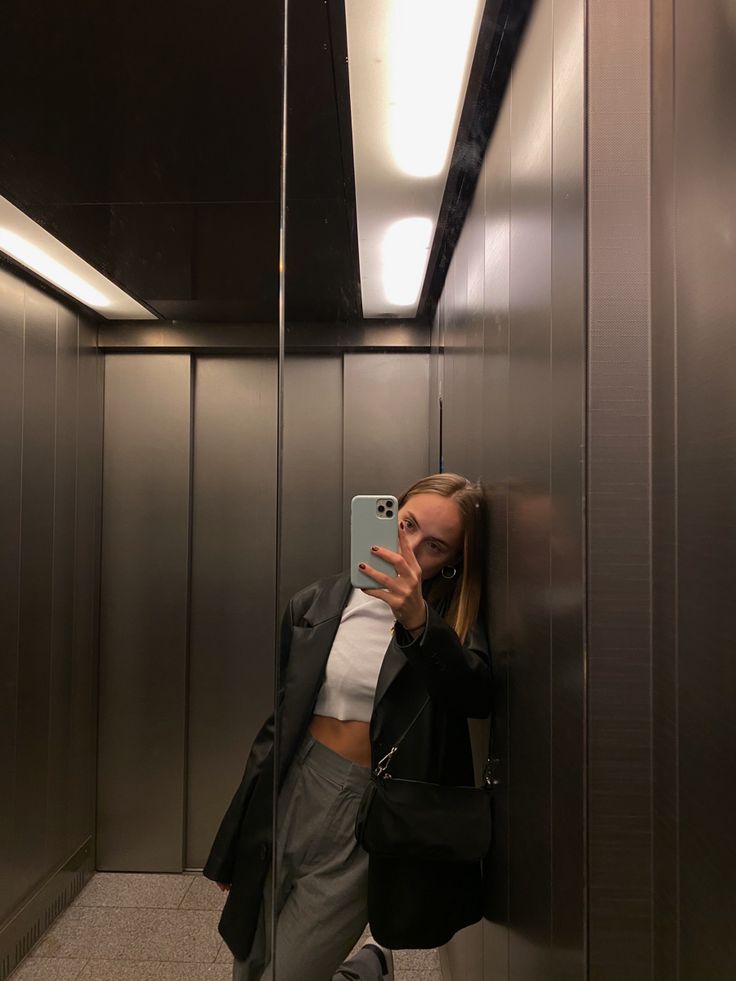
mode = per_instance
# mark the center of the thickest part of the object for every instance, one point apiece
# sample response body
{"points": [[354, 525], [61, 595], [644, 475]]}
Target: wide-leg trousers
{"points": [[320, 898]]}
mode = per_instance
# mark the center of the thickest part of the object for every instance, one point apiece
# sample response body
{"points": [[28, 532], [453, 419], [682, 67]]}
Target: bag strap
{"points": [[490, 775], [382, 764]]}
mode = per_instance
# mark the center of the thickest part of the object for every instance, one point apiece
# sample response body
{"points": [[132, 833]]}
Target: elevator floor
{"points": [[146, 927]]}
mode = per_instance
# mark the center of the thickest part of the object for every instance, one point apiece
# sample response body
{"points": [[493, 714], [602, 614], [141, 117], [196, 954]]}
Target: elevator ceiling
{"points": [[146, 136]]}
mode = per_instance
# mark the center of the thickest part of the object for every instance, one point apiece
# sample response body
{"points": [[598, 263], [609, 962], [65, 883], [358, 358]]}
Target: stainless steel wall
{"points": [[619, 503], [511, 324], [693, 309], [187, 603], [232, 575], [50, 460], [143, 614], [188, 564]]}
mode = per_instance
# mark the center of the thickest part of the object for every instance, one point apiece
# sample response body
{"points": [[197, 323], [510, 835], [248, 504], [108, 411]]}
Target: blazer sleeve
{"points": [[221, 861], [457, 675]]}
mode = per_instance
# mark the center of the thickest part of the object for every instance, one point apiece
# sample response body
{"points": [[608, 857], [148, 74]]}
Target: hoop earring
{"points": [[449, 571]]}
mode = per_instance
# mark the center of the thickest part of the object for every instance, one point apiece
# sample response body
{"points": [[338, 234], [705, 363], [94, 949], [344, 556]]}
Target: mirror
{"points": [[139, 443], [388, 111]]}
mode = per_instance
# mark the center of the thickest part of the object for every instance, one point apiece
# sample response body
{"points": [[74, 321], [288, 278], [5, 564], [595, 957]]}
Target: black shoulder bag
{"points": [[425, 821]]}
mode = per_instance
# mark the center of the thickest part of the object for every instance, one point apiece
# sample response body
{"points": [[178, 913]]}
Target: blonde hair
{"points": [[457, 600]]}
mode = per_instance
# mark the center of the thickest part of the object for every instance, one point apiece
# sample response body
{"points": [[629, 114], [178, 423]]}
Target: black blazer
{"points": [[411, 904]]}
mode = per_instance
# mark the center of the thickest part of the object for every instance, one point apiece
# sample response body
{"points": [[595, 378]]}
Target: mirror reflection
{"points": [[383, 802], [342, 797]]}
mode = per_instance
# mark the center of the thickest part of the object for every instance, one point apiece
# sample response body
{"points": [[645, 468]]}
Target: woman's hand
{"points": [[402, 592]]}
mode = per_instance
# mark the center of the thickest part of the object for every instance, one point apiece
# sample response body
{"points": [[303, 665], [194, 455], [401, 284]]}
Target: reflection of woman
{"points": [[356, 665]]}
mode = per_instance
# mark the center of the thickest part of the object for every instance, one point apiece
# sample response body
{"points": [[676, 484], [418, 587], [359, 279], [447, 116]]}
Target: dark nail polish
{"points": [[361, 565], [374, 548]]}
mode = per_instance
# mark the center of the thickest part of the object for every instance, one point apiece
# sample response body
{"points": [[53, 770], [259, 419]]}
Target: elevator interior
{"points": [[167, 484]]}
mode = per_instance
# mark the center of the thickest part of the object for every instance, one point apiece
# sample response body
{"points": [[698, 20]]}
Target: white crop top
{"points": [[355, 659]]}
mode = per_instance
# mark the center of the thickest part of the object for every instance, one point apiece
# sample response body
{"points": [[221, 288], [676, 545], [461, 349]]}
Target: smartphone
{"points": [[374, 520]]}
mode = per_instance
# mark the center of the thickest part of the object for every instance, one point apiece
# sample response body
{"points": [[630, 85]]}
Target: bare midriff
{"points": [[349, 739]]}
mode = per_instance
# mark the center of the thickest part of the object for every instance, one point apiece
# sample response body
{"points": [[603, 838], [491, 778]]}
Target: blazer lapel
{"points": [[393, 662], [310, 647]]}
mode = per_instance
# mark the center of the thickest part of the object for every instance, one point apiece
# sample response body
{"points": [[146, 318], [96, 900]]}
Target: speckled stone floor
{"points": [[145, 927]]}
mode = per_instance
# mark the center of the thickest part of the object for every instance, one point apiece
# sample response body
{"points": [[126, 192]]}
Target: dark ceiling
{"points": [[146, 136]]}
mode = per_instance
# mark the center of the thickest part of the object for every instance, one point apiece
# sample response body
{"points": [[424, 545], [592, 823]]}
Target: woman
{"points": [[355, 667]]}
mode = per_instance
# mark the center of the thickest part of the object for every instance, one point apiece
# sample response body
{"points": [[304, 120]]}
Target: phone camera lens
{"points": [[381, 508], [389, 514]]}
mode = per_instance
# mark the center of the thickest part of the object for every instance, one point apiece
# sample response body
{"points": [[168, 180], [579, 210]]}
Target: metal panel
{"points": [[232, 590], [665, 872], [143, 633], [529, 516], [525, 437], [58, 840], [35, 588], [83, 735], [705, 232], [312, 528], [619, 569], [11, 423], [567, 490], [386, 419], [495, 469]]}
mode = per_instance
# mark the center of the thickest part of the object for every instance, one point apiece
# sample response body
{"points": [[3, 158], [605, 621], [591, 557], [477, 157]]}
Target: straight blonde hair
{"points": [[457, 600]]}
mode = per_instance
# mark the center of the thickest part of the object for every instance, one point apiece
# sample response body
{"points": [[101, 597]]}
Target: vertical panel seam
{"points": [[676, 489], [550, 349], [52, 632], [650, 489], [188, 628], [20, 550]]}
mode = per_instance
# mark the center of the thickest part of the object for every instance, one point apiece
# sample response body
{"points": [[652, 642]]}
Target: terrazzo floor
{"points": [[146, 927]]}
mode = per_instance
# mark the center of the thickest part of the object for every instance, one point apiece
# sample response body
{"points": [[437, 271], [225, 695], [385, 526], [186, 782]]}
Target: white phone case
{"points": [[373, 521]]}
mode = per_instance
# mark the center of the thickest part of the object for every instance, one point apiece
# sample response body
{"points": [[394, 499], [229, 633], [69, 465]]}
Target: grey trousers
{"points": [[321, 889]]}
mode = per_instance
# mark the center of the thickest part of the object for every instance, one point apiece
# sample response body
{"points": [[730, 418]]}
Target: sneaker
{"points": [[385, 957]]}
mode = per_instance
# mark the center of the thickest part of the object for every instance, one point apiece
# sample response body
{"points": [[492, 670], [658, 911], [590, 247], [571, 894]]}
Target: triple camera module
{"points": [[385, 508]]}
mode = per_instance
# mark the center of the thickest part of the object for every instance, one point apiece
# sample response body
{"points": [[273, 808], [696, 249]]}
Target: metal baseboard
{"points": [[25, 927]]}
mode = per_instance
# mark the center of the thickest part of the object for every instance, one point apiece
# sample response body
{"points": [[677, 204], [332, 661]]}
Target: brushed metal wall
{"points": [[694, 482], [143, 613], [619, 451], [385, 427], [512, 325], [232, 599], [50, 459], [351, 439], [188, 564]]}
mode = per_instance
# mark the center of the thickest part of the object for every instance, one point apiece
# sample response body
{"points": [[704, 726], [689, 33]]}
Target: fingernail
{"points": [[374, 548], [361, 565]]}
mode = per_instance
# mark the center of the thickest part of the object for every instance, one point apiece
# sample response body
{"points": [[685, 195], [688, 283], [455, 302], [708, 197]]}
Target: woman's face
{"points": [[434, 530]]}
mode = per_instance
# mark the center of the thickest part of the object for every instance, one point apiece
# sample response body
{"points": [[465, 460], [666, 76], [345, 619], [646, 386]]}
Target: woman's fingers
{"points": [[380, 577], [406, 550], [387, 555]]}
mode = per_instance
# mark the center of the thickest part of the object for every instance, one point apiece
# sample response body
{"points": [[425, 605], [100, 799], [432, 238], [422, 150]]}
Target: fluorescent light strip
{"points": [[409, 63], [428, 50], [24, 240], [405, 249]]}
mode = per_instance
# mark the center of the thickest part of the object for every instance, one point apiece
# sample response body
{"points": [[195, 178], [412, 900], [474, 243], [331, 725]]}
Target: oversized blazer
{"points": [[411, 904]]}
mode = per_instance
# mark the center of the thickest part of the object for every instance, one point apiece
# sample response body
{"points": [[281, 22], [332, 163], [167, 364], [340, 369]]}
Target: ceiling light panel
{"points": [[408, 64], [27, 243]]}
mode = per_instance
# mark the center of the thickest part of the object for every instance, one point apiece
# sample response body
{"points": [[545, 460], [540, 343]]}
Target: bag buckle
{"points": [[383, 764]]}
